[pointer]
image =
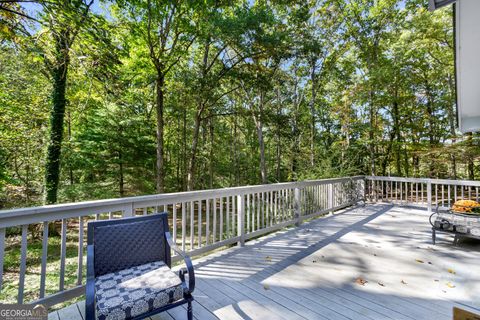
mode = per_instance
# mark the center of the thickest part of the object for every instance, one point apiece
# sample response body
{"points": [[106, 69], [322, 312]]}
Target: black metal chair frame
{"points": [[169, 245]]}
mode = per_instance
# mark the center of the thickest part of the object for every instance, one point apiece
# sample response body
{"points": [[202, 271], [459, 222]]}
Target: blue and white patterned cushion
{"points": [[134, 291]]}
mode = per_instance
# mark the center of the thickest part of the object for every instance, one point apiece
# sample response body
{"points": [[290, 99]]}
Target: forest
{"points": [[129, 97]]}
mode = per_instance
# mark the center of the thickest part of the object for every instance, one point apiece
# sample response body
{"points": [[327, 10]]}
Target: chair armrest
{"points": [[90, 288], [188, 263]]}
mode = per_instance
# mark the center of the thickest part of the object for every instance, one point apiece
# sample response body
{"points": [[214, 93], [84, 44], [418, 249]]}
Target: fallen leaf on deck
{"points": [[436, 280], [430, 262], [450, 285], [419, 261], [381, 284], [451, 271], [374, 254], [361, 281], [403, 282], [266, 287], [268, 258]]}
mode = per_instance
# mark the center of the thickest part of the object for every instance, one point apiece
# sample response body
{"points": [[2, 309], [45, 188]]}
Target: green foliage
{"points": [[251, 92]]}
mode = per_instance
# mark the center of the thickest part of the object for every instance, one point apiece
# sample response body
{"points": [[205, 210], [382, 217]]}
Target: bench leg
{"points": [[455, 240], [433, 236], [189, 311]]}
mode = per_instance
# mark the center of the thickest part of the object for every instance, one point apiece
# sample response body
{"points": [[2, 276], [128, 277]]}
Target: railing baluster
{"points": [[258, 212], [221, 219], [443, 193], [207, 222], [23, 264], [199, 224], [63, 254], [262, 201], [192, 224], [214, 220], [227, 215], [449, 199], [174, 223], [422, 199], [43, 269], [234, 213], [184, 225], [275, 206], [271, 208], [240, 216], [247, 212], [80, 251]]}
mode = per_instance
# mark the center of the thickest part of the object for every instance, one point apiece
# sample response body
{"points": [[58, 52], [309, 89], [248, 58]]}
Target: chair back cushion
{"points": [[124, 243]]}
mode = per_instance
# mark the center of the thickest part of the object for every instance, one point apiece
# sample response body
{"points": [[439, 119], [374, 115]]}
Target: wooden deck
{"points": [[313, 272]]}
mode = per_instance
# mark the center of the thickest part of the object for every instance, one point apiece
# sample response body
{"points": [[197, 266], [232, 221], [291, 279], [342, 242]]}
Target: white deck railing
{"points": [[200, 221], [420, 192]]}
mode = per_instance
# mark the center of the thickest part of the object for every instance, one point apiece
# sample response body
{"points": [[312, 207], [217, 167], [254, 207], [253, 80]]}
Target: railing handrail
{"points": [[473, 183], [15, 217]]}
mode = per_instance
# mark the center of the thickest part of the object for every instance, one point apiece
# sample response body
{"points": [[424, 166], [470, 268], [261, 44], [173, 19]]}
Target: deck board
{"points": [[309, 272]]}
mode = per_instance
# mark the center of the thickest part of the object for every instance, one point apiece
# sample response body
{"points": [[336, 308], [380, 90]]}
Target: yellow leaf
{"points": [[266, 287], [361, 281], [268, 258], [452, 271], [419, 261], [450, 285]]}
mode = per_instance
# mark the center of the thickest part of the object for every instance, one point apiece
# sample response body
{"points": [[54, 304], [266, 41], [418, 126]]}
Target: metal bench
{"points": [[128, 269]]}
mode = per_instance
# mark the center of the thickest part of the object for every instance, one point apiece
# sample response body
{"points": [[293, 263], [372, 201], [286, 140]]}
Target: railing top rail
{"points": [[425, 180], [52, 212]]}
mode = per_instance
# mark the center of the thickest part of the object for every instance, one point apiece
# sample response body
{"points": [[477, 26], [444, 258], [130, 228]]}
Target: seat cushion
{"points": [[131, 292]]}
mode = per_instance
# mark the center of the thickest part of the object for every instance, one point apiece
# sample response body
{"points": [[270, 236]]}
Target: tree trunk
{"points": [[57, 114], [261, 143], [193, 153], [372, 134], [431, 126], [185, 155], [278, 157], [313, 79], [120, 172], [470, 164], [212, 142], [451, 120], [160, 178]]}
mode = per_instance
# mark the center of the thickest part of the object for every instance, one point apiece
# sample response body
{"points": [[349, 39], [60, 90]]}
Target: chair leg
{"points": [[433, 235], [189, 311]]}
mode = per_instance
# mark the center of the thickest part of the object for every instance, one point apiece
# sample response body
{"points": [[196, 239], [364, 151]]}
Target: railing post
{"points": [[241, 220], [297, 208], [429, 195], [128, 211], [330, 197], [366, 189]]}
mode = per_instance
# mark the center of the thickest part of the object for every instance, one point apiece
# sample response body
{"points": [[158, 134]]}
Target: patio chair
{"points": [[128, 269]]}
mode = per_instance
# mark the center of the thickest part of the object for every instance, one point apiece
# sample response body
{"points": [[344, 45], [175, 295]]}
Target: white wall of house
{"points": [[468, 64]]}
